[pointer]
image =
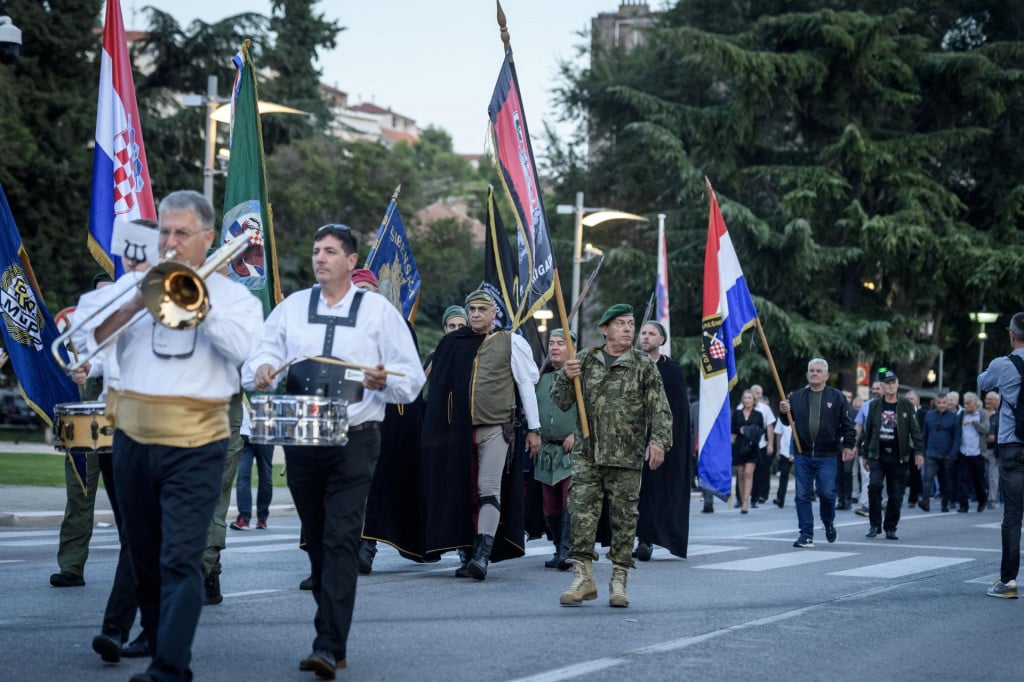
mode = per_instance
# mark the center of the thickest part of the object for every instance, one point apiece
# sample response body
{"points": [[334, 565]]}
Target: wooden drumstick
{"points": [[282, 368], [342, 363]]}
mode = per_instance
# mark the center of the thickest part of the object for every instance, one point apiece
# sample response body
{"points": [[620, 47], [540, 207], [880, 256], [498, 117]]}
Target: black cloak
{"points": [[665, 492], [449, 459]]}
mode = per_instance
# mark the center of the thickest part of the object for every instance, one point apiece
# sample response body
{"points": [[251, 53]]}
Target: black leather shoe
{"points": [[643, 551], [963, 509], [873, 532], [891, 535], [830, 532], [306, 584], [945, 507], [137, 648], [367, 551], [924, 505], [66, 579], [107, 647], [709, 508], [321, 662], [212, 587], [778, 503]]}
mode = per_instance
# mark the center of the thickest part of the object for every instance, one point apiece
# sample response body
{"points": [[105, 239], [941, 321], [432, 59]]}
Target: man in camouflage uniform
{"points": [[630, 421]]}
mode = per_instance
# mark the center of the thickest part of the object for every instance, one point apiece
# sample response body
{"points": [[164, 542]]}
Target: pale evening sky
{"points": [[435, 62]]}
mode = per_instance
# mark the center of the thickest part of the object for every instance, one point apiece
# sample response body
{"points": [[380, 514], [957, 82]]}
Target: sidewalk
{"points": [[41, 507]]}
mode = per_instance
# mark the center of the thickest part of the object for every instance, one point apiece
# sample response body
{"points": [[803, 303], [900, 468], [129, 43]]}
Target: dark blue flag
{"points": [[28, 328], [391, 260]]}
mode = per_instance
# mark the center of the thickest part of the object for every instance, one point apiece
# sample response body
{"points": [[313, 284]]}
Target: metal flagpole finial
{"points": [[505, 39], [398, 190]]}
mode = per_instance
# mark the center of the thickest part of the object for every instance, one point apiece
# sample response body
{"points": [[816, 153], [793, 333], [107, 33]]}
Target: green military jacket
{"points": [[626, 407], [908, 432]]}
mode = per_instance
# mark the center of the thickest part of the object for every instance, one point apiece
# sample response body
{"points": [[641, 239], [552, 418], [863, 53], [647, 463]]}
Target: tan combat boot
{"points": [[617, 587], [583, 586]]}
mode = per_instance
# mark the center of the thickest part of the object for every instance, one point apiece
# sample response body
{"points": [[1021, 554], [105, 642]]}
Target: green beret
{"points": [[480, 296], [453, 311], [617, 310], [561, 333]]}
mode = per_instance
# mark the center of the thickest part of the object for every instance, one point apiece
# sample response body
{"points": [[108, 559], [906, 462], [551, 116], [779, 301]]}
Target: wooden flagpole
{"points": [[778, 382]]}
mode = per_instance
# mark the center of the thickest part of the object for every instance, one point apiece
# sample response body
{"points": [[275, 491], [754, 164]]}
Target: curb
{"points": [[51, 519]]}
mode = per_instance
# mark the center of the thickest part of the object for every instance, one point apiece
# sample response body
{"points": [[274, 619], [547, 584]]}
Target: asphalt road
{"points": [[745, 605]]}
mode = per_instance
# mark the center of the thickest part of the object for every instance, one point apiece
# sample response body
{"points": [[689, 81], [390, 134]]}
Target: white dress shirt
{"points": [[216, 348], [379, 337]]}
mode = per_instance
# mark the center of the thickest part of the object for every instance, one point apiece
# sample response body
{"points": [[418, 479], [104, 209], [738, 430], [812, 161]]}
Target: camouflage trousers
{"points": [[590, 485]]}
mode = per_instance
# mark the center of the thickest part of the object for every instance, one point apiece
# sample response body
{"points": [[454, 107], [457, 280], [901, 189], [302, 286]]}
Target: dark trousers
{"points": [[761, 485], [264, 457], [844, 479], [329, 486], [1011, 486], [121, 604], [972, 471], [939, 466], [894, 474], [913, 481], [785, 465], [167, 496]]}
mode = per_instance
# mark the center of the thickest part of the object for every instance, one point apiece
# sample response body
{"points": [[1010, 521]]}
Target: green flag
{"points": [[245, 196]]}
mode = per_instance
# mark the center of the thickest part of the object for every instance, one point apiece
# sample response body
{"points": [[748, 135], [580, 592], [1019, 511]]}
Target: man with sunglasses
{"points": [[170, 410], [329, 484]]}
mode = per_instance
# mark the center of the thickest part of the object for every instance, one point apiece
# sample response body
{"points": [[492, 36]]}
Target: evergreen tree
{"points": [[860, 156]]}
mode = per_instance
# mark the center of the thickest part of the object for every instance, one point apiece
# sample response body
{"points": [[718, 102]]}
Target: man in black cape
{"points": [[665, 492], [467, 427]]}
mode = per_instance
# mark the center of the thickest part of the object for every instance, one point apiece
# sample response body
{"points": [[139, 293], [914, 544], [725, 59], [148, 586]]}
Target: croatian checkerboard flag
{"points": [[727, 312], [120, 173]]}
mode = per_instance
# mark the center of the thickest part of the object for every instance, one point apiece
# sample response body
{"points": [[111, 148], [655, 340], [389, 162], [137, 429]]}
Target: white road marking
{"points": [[903, 567], [773, 561]]}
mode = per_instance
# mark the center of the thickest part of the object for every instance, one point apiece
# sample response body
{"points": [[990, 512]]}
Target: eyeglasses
{"points": [[342, 233]]}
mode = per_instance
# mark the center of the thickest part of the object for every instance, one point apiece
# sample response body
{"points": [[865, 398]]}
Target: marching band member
{"points": [[171, 417], [329, 484]]}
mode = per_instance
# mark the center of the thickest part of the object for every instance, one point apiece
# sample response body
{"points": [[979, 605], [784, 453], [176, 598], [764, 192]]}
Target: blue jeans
{"points": [[264, 456], [810, 472], [1011, 485]]}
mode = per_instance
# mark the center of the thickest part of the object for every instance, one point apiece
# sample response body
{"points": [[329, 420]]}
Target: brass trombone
{"points": [[174, 294]]}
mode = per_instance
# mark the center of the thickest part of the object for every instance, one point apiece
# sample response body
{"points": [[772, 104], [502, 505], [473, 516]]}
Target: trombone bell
{"points": [[175, 295]]}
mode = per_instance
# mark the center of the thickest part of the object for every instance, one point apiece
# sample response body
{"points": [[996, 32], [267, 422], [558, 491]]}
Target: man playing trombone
{"points": [[170, 412]]}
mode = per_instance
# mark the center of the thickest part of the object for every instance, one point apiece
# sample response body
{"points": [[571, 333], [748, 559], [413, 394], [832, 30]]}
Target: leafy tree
{"points": [[301, 34], [859, 156], [47, 124]]}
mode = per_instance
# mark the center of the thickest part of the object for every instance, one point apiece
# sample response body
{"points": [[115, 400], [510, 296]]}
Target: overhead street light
{"points": [[982, 318], [589, 217]]}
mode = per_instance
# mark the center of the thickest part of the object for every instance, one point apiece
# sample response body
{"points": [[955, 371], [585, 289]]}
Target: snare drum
{"points": [[298, 420], [82, 426]]}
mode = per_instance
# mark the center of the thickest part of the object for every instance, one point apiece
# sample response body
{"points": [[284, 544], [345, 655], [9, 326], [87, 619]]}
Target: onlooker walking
{"points": [[941, 443], [973, 429], [991, 451], [263, 455], [1004, 374], [824, 426]]}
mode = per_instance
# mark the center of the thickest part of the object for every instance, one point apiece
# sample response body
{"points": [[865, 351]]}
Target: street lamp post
{"points": [[586, 217], [982, 318]]}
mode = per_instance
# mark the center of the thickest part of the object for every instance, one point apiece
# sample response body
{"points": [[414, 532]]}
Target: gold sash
{"points": [[168, 420]]}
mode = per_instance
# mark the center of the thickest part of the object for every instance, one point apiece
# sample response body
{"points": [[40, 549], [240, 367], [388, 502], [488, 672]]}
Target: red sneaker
{"points": [[240, 524], [261, 525]]}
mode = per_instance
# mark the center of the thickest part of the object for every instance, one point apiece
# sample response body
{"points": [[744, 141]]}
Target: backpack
{"points": [[1018, 409]]}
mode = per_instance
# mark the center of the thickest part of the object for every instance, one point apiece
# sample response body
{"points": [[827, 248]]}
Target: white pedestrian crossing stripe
{"points": [[903, 567], [703, 550], [773, 561]]}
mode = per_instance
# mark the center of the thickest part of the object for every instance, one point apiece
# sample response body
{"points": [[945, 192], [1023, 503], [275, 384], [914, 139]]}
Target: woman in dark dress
{"points": [[747, 427]]}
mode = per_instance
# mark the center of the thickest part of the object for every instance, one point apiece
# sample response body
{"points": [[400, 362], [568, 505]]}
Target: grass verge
{"points": [[19, 468]]}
